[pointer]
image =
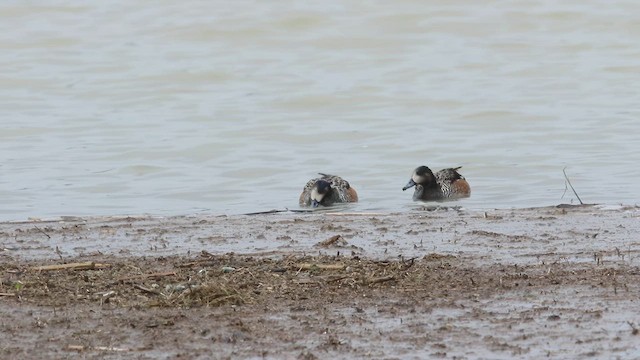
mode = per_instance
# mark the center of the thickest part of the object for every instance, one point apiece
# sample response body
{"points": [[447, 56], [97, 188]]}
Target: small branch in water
{"points": [[59, 252], [330, 241], [42, 231], [355, 214], [267, 212], [571, 186]]}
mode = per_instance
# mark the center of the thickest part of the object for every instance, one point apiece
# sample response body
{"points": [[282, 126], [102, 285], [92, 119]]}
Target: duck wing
{"points": [[449, 175]]}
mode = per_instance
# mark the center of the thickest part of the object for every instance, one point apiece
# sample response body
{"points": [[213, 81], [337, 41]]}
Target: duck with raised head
{"points": [[446, 184], [326, 191]]}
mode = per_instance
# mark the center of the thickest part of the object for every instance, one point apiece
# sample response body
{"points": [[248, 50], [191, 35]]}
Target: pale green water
{"points": [[169, 107]]}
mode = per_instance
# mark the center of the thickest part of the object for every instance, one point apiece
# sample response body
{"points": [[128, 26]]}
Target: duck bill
{"points": [[314, 203], [410, 184]]}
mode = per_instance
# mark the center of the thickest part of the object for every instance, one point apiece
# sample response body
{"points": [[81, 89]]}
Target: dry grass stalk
{"points": [[72, 266], [308, 266], [147, 276]]}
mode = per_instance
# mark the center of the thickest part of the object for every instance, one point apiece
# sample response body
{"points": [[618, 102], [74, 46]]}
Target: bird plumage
{"points": [[327, 190], [446, 184]]}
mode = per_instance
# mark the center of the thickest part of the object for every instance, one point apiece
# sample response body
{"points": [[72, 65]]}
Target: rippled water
{"points": [[171, 107]]}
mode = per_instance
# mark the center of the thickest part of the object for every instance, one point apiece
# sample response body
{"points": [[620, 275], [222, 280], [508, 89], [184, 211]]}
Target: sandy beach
{"points": [[439, 282]]}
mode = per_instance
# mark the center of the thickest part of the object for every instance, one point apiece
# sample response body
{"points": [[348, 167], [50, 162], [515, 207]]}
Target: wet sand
{"points": [[436, 282]]}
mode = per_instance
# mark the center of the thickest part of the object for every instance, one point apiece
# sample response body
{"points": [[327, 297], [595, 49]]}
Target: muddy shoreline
{"points": [[437, 282]]}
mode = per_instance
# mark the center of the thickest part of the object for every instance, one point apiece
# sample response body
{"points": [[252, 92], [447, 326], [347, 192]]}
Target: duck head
{"points": [[319, 191], [422, 175]]}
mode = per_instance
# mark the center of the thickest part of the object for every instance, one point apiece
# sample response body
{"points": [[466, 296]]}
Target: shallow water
{"points": [[187, 107]]}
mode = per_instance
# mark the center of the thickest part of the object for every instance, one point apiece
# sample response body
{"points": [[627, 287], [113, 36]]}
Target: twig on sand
{"points": [[330, 241], [408, 263], [264, 253], [145, 289], [379, 279], [222, 299], [203, 262], [7, 294], [146, 276], [307, 266], [72, 266], [571, 186], [337, 278], [99, 348]]}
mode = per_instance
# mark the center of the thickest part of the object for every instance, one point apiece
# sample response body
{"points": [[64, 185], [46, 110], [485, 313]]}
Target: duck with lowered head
{"points": [[326, 191]]}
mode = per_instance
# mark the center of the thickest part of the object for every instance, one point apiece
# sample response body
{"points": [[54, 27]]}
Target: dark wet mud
{"points": [[442, 283]]}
